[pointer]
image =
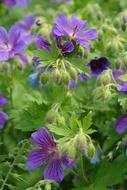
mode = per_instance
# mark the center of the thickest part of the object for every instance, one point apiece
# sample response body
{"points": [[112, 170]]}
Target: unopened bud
{"points": [[57, 76], [73, 73], [71, 151], [44, 77], [91, 150], [51, 116], [48, 186], [65, 78]]}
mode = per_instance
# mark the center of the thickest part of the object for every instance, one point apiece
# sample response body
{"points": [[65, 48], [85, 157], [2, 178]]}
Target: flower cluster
{"points": [[13, 3]]}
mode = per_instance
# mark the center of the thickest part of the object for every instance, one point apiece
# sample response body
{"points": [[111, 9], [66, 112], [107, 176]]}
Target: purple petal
{"points": [[3, 119], [54, 171], [68, 47], [122, 87], [69, 163], [72, 84], [3, 101], [42, 138], [79, 24], [98, 65], [63, 27], [36, 158], [3, 35], [42, 43], [29, 21], [121, 124], [118, 73], [10, 3]]}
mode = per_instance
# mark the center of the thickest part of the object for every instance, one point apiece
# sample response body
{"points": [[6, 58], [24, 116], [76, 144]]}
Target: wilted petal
{"points": [[42, 138], [36, 158], [54, 171]]}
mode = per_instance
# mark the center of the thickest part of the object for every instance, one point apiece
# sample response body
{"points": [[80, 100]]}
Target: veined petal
{"points": [[90, 34], [80, 24], [42, 138], [54, 171], [36, 158]]}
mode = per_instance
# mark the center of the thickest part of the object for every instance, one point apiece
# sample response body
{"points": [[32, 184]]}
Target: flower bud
{"points": [[51, 116], [48, 186], [65, 78], [91, 150], [82, 141], [71, 151], [104, 78], [57, 76], [73, 73], [44, 77]]}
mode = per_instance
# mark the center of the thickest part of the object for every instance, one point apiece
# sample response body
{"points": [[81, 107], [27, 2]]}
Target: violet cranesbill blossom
{"points": [[20, 3], [121, 124], [65, 48], [11, 43], [98, 65], [25, 28], [74, 29], [122, 87], [47, 152]]}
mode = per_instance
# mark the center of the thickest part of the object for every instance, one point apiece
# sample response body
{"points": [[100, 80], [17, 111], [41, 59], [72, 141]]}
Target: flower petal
{"points": [[3, 119], [36, 158], [121, 124], [42, 138], [3, 35], [3, 101], [68, 47], [54, 171], [69, 163]]}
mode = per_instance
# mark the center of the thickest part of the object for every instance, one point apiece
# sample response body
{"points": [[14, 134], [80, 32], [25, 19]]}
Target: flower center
{"points": [[6, 47], [75, 30]]}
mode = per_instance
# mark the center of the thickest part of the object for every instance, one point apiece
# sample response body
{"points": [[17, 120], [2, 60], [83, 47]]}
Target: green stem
{"points": [[82, 169]]}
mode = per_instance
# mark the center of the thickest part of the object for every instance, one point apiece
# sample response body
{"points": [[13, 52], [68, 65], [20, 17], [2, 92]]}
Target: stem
{"points": [[82, 168]]}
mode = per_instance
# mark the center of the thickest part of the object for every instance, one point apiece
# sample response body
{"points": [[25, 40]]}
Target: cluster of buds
{"points": [[81, 142], [60, 72], [53, 115]]}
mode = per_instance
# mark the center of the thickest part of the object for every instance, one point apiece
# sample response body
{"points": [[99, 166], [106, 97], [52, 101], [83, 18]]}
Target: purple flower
{"points": [[3, 101], [98, 65], [47, 151], [72, 84], [11, 43], [83, 76], [66, 48], [42, 43], [25, 28], [20, 3], [122, 87], [3, 119], [74, 29], [121, 124]]}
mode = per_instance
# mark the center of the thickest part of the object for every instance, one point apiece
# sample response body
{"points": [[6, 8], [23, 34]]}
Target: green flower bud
{"points": [[71, 151], [73, 73], [82, 141], [91, 150], [48, 186], [65, 78], [51, 116], [60, 119], [104, 78], [44, 77], [57, 76]]}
